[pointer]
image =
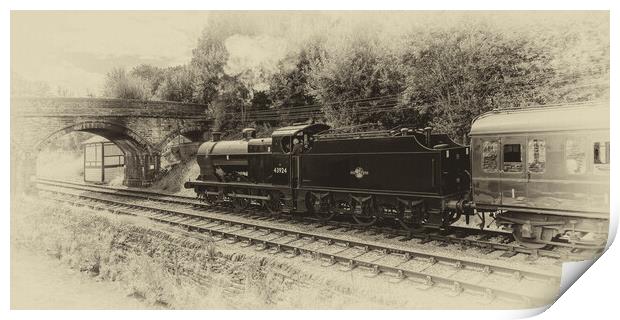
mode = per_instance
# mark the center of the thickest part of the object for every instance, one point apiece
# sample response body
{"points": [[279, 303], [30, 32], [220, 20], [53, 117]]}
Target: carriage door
{"points": [[513, 175], [486, 170], [536, 175]]}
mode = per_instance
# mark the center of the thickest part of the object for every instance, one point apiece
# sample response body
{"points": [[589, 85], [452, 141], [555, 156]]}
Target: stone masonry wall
{"points": [[149, 125]]}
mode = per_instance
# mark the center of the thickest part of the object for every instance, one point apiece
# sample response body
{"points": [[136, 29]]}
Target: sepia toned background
{"points": [[243, 62]]}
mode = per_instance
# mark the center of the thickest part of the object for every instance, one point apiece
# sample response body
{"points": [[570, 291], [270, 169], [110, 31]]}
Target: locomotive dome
{"points": [[542, 119]]}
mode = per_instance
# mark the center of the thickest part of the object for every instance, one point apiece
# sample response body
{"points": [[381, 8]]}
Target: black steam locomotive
{"points": [[406, 174], [543, 172]]}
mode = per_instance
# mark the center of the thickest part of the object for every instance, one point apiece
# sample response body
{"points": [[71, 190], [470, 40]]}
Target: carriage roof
{"points": [[543, 119]]}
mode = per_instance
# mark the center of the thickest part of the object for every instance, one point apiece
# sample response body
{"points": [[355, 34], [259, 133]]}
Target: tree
{"points": [[579, 53], [227, 106], [289, 86], [151, 74], [120, 85], [361, 68], [177, 84], [210, 57], [455, 75]]}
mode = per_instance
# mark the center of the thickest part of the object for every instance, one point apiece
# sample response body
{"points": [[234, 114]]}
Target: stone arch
{"points": [[127, 140], [193, 133], [141, 158]]}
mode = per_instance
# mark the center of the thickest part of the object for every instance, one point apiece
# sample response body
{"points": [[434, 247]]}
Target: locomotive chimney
{"points": [[216, 136], [427, 132], [404, 131]]}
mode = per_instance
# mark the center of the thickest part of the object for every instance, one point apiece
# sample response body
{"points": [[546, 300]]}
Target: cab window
{"points": [[308, 141], [512, 158], [536, 156], [490, 153], [297, 144], [601, 156], [575, 155], [286, 144]]}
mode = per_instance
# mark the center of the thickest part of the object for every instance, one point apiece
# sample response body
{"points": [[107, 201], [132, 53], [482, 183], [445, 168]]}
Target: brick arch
{"points": [[125, 138], [141, 159], [193, 133], [138, 127]]}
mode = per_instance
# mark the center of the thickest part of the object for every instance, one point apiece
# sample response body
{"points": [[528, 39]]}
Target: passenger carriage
{"points": [[546, 170]]}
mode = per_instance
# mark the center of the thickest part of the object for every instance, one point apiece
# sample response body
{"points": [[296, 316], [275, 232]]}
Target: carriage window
{"points": [[575, 157], [536, 156], [512, 158], [601, 156], [490, 154]]}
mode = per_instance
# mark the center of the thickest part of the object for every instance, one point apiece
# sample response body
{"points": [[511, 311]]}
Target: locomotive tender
{"points": [[543, 172]]}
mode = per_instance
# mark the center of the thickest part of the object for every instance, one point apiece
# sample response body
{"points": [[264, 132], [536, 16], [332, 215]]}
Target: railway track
{"points": [[487, 241], [533, 286]]}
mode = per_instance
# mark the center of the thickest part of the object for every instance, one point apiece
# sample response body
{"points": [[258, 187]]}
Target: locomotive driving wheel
{"points": [[408, 220], [274, 205], [320, 206], [410, 215], [210, 200], [240, 203], [363, 211]]}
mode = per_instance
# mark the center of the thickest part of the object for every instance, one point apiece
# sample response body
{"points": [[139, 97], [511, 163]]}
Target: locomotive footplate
{"points": [[262, 186]]}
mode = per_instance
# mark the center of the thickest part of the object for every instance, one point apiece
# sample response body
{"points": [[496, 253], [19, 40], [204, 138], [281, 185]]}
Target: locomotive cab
{"points": [[288, 143]]}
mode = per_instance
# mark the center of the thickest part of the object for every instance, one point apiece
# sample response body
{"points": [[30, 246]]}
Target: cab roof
{"points": [[292, 130], [543, 119]]}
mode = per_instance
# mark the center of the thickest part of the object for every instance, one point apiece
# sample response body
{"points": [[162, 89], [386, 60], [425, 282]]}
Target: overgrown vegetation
{"points": [[119, 84], [358, 71], [162, 267]]}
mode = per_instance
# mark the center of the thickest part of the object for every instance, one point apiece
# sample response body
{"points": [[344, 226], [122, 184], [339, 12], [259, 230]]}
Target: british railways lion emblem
{"points": [[359, 172]]}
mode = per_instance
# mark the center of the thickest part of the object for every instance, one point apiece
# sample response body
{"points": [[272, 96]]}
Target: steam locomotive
{"points": [[542, 172]]}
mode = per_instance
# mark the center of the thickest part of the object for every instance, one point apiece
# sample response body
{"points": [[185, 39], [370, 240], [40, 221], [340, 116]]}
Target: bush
{"points": [[118, 84]]}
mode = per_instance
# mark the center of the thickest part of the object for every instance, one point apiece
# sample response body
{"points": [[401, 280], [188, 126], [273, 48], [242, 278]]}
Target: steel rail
{"points": [[456, 235], [287, 241]]}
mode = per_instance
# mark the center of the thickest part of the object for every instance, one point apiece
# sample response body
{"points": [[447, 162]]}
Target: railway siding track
{"points": [[457, 275]]}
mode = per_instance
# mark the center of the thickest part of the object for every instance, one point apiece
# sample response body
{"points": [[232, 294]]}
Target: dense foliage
{"points": [[442, 76]]}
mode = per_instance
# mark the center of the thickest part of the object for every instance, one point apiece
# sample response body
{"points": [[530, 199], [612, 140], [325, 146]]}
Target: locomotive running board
{"points": [[248, 196], [193, 184], [239, 195]]}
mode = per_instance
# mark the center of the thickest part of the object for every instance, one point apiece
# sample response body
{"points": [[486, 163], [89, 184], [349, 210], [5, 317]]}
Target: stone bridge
{"points": [[140, 128]]}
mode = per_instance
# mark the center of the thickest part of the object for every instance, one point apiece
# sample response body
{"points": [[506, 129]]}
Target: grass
{"points": [[61, 165], [158, 265], [167, 267]]}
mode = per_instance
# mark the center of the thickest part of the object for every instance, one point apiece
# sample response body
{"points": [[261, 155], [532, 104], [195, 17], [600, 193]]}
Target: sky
{"points": [[74, 50]]}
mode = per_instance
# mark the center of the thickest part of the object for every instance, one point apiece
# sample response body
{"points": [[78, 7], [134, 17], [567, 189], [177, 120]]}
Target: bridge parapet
{"points": [[86, 107]]}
